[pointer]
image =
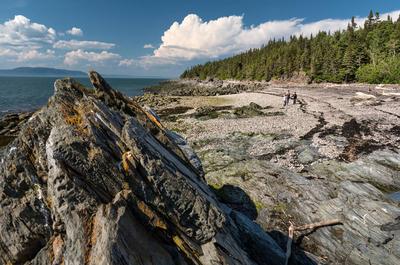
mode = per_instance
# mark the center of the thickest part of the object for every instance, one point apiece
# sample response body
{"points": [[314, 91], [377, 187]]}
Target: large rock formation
{"points": [[93, 178]]}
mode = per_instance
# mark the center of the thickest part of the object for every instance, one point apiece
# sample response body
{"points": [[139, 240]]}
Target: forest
{"points": [[368, 53]]}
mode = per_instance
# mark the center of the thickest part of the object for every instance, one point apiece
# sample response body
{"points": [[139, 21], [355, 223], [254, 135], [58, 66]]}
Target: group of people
{"points": [[287, 97]]}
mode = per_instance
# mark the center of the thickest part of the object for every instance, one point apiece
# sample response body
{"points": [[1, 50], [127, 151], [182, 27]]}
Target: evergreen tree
{"points": [[353, 23], [370, 20]]}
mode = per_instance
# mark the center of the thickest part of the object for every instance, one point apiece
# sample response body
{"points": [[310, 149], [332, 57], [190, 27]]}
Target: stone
{"points": [[250, 110], [94, 178]]}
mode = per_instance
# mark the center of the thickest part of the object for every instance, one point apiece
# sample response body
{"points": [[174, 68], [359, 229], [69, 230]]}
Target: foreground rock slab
{"points": [[93, 178]]}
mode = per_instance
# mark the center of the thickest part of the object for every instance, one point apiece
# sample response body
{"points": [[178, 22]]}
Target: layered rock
{"points": [[93, 178], [10, 125], [329, 157]]}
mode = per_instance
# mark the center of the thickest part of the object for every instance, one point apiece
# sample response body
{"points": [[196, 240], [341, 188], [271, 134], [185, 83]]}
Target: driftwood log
{"points": [[293, 228]]}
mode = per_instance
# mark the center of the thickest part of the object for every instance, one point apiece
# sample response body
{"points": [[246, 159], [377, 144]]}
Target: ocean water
{"points": [[29, 93]]}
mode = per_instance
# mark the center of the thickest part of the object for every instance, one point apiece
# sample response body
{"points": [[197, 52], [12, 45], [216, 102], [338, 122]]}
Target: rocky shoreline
{"points": [[189, 87], [95, 178], [334, 155], [211, 87]]}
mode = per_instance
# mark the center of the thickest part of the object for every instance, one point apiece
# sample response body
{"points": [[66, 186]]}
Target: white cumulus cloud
{"points": [[126, 62], [22, 40], [78, 56], [76, 44], [34, 55], [194, 38], [148, 46], [75, 31], [21, 32], [27, 42]]}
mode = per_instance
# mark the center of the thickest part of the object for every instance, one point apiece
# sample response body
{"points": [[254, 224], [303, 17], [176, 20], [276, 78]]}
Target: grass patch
{"points": [[280, 207], [259, 205]]}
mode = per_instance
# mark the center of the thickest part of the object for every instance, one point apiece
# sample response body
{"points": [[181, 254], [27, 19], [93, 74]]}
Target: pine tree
{"points": [[353, 23], [376, 16], [370, 20]]}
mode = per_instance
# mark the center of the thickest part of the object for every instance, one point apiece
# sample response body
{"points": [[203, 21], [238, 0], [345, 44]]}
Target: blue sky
{"points": [[159, 38]]}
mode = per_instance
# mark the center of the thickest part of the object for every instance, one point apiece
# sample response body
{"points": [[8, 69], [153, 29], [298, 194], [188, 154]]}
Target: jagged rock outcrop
{"points": [[93, 178]]}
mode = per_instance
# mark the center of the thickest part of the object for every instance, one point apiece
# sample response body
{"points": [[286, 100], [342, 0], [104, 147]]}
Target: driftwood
{"points": [[293, 228], [289, 243]]}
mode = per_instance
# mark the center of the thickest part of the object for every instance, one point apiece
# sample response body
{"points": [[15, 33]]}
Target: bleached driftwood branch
{"points": [[293, 228]]}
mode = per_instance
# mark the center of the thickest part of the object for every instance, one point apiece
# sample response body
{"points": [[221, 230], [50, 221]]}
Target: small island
{"points": [[40, 71]]}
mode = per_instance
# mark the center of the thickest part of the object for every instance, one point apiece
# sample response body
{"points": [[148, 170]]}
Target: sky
{"points": [[160, 38]]}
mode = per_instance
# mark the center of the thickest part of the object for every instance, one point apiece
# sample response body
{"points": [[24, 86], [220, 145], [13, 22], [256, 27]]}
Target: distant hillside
{"points": [[40, 71], [369, 54]]}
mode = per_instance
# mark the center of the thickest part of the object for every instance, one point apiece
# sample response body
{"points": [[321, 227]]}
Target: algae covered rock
{"points": [[250, 110]]}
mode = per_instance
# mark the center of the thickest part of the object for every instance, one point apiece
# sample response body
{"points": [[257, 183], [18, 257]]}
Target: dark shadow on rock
{"points": [[210, 112], [5, 140], [298, 256], [393, 226], [10, 125], [242, 205], [237, 199], [173, 110]]}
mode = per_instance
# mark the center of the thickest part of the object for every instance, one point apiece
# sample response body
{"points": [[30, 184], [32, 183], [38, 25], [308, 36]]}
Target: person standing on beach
{"points": [[294, 98], [286, 98]]}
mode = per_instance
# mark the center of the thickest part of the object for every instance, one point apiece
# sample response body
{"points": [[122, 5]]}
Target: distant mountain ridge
{"points": [[40, 71]]}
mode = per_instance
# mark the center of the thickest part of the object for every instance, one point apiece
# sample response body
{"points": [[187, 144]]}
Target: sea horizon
{"points": [[28, 93], [105, 75]]}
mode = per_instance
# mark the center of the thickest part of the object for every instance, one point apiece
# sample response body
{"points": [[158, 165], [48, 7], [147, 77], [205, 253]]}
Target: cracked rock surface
{"points": [[335, 155], [93, 178]]}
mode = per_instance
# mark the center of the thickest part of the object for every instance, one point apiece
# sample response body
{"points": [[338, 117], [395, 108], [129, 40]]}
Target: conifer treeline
{"points": [[368, 54]]}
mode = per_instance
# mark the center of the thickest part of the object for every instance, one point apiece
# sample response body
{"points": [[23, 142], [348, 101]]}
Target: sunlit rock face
{"points": [[93, 178]]}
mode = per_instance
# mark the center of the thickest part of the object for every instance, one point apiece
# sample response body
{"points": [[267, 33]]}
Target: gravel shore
{"points": [[335, 154]]}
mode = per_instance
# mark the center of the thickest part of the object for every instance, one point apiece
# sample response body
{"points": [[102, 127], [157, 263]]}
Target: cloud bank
{"points": [[30, 43], [35, 55], [81, 56], [76, 44]]}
